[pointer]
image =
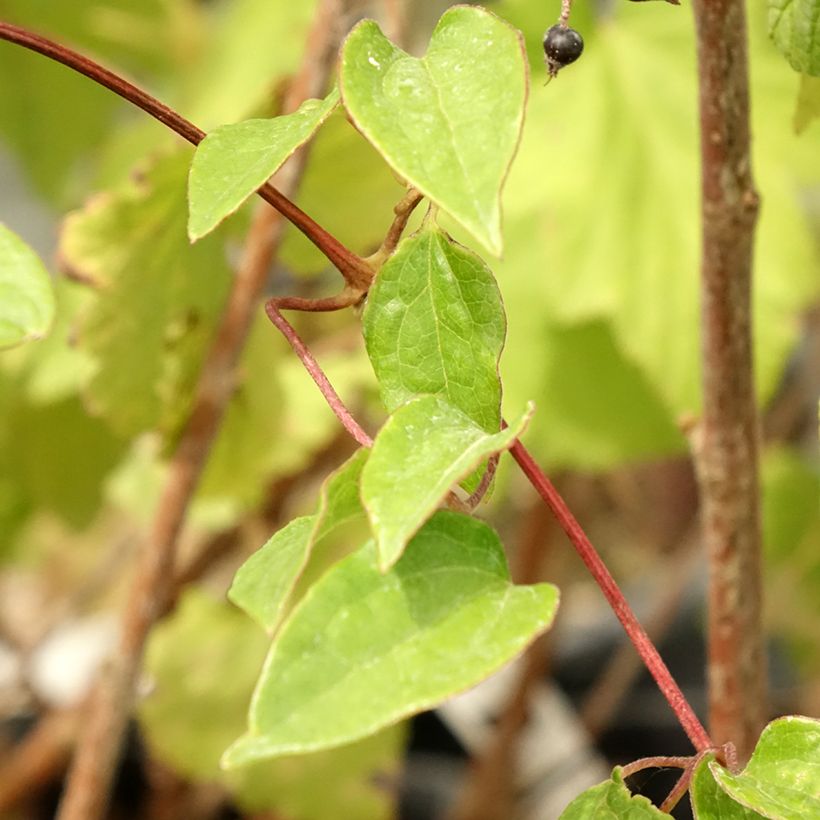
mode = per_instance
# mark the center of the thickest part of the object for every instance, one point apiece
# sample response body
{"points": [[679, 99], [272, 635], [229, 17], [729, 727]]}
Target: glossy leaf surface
{"points": [[710, 802], [234, 160], [434, 324], [263, 584], [782, 779], [423, 449], [611, 800], [364, 649], [449, 123]]}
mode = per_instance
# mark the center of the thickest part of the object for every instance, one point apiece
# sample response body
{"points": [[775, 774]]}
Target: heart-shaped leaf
{"points": [[449, 123], [710, 802], [234, 160], [434, 324], [425, 447], [26, 296], [364, 649], [782, 779], [263, 584]]}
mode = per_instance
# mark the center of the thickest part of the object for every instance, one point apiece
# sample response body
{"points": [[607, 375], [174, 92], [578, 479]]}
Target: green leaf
{"points": [[611, 800], [157, 299], [364, 649], [598, 408], [710, 802], [47, 443], [423, 449], [264, 584], [434, 324], [782, 780], [449, 123], [26, 295], [203, 662], [808, 103], [234, 160], [240, 464], [795, 28], [255, 43]]}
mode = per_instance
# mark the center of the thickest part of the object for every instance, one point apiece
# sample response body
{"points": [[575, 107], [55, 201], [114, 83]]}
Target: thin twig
{"points": [[603, 698], [353, 268], [317, 374], [347, 298], [484, 485], [727, 455], [99, 747], [657, 762], [403, 211], [589, 555]]}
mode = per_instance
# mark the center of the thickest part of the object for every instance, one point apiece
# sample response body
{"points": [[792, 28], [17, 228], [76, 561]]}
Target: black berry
{"points": [[562, 46]]}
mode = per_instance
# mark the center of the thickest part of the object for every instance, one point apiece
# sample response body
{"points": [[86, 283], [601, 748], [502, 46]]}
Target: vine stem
{"points": [[726, 444], [317, 374], [355, 270], [636, 633], [109, 707]]}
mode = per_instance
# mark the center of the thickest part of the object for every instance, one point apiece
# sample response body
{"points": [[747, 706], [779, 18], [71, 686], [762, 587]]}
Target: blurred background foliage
{"points": [[600, 281]]}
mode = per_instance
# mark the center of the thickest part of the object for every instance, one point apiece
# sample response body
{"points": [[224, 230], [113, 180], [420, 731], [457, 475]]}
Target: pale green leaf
{"points": [[58, 457], [597, 409], [710, 802], [808, 103], [264, 584], [203, 662], [621, 127], [434, 324], [157, 299], [54, 119], [242, 459], [423, 449], [234, 160], [782, 779], [254, 44], [795, 28], [611, 800], [449, 123], [26, 295], [364, 649]]}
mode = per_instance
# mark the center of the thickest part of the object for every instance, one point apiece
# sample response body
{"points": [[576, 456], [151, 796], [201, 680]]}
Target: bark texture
{"points": [[727, 451]]}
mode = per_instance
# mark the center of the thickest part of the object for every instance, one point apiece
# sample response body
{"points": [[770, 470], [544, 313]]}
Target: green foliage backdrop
{"points": [[598, 280]]}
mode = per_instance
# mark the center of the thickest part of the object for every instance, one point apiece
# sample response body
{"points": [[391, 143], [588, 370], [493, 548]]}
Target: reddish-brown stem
{"points": [[603, 698], [98, 750], [347, 298], [657, 762], [403, 211], [589, 555], [317, 374], [486, 480], [726, 453], [681, 786], [356, 271]]}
